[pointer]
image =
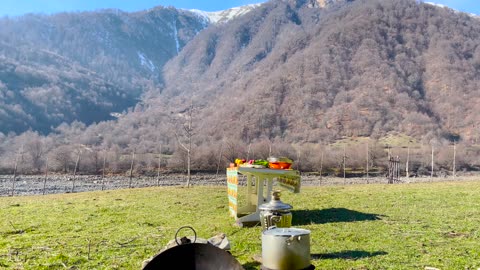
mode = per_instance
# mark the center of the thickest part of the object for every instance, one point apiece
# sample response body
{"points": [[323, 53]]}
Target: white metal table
{"points": [[259, 190]]}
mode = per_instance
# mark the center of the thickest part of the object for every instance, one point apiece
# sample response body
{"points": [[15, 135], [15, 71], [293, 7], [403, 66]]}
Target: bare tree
{"points": [[261, 149], [61, 157], [219, 158], [185, 139], [248, 151], [35, 150], [96, 160], [15, 170]]}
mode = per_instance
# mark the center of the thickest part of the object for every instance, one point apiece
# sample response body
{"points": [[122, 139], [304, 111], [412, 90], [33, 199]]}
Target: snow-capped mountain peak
{"points": [[224, 15], [435, 4]]}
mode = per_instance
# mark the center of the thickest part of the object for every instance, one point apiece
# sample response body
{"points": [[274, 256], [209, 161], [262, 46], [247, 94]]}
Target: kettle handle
{"points": [[275, 219], [185, 227]]}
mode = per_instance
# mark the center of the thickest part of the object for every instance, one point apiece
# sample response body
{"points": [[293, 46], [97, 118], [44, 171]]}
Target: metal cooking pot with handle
{"points": [[286, 249], [193, 256]]}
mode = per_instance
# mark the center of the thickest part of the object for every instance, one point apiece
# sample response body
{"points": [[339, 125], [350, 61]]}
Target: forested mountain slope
{"points": [[289, 72], [295, 71], [84, 66], [42, 96]]}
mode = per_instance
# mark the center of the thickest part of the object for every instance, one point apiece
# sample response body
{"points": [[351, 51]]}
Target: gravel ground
{"points": [[34, 185]]}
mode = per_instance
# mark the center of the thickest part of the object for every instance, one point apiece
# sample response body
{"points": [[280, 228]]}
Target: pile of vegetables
{"points": [[262, 162]]}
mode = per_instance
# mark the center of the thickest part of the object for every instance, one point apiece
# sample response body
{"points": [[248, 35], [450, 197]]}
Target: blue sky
{"points": [[470, 6], [19, 7]]}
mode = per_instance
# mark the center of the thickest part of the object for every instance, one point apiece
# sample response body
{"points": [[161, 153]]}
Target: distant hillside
{"points": [[43, 95], [293, 74], [309, 71], [84, 66], [122, 46]]}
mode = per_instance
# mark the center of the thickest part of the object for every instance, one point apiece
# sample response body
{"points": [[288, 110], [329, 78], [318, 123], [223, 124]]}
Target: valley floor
{"points": [[375, 226], [58, 184]]}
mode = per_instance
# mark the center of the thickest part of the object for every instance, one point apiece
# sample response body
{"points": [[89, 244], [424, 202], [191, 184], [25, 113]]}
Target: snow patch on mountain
{"points": [[435, 4], [224, 15], [175, 35], [144, 61]]}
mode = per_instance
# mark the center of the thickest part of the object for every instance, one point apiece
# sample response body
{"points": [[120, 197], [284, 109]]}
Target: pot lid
{"points": [[275, 204], [286, 232]]}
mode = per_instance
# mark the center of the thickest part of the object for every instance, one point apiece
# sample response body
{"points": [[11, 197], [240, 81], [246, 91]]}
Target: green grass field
{"points": [[408, 226]]}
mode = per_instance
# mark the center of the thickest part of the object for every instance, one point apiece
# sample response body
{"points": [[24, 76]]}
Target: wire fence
{"points": [[55, 184], [58, 184]]}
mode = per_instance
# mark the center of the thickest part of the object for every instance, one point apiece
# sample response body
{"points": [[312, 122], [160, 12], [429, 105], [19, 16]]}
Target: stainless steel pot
{"points": [[286, 249], [275, 213]]}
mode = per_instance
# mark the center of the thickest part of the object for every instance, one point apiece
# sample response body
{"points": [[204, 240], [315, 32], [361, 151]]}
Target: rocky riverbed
{"points": [[54, 184], [34, 185]]}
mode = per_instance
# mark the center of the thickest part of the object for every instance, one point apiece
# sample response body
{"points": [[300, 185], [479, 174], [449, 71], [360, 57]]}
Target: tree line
{"points": [[292, 78], [31, 153]]}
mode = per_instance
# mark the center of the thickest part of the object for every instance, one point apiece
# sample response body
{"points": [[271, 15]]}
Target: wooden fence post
{"points": [[406, 164], [321, 165], [368, 157], [431, 174], [14, 176], [103, 169], [75, 171], [131, 169], [158, 170], [393, 170], [46, 176], [344, 161]]}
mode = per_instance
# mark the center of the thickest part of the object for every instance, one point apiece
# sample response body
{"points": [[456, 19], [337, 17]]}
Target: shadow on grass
{"points": [[348, 255], [251, 265], [330, 215]]}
